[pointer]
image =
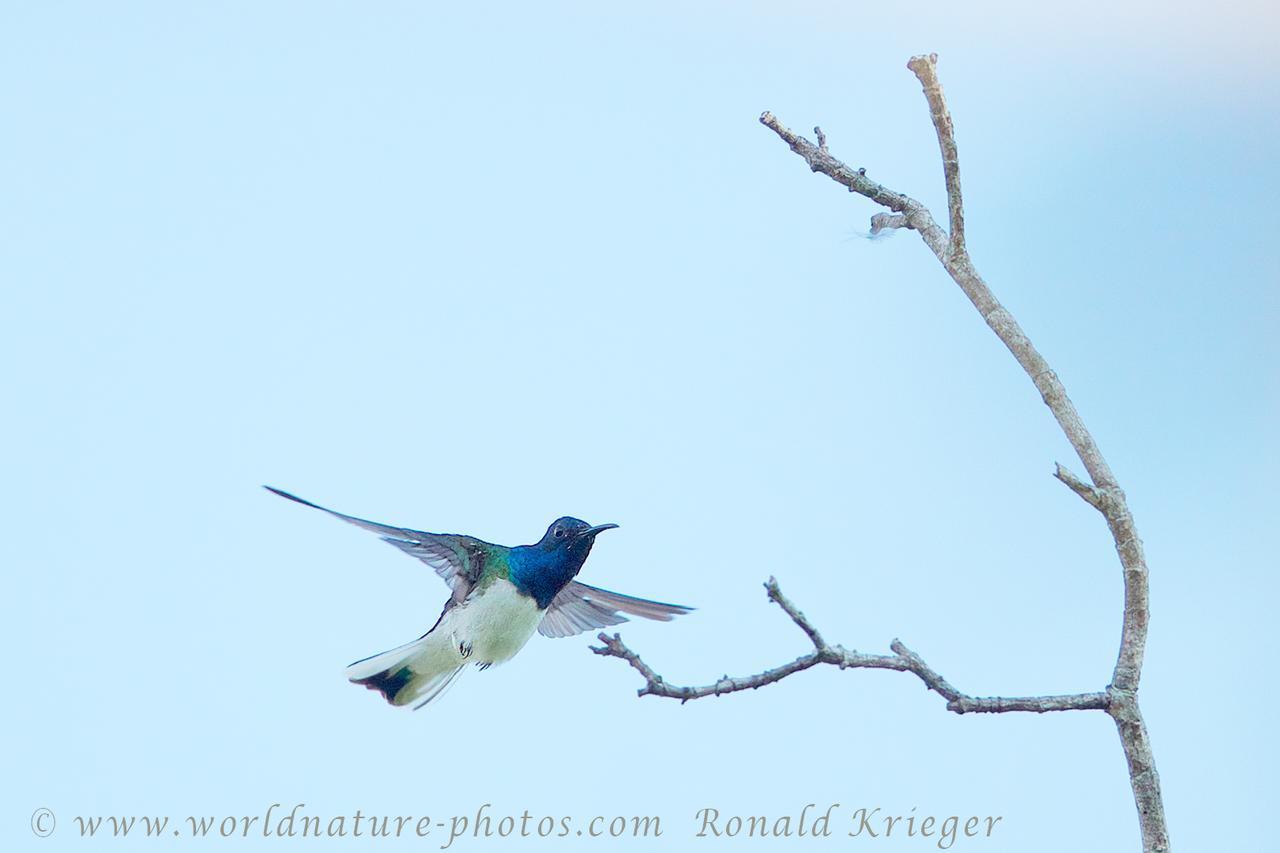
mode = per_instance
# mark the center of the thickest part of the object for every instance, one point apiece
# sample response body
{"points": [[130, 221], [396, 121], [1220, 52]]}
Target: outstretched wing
{"points": [[455, 558], [579, 607]]}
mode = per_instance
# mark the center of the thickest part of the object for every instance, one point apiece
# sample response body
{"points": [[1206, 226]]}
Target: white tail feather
{"points": [[412, 674]]}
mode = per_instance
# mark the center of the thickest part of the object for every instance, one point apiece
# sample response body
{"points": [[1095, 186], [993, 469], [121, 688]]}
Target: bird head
{"points": [[572, 535]]}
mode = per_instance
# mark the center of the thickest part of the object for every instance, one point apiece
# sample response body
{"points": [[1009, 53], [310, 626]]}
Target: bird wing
{"points": [[580, 607], [457, 559]]}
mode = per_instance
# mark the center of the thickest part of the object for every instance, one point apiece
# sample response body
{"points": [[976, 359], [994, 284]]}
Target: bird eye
{"points": [[559, 533]]}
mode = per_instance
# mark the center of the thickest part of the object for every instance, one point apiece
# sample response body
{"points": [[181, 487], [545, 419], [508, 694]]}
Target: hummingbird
{"points": [[499, 597]]}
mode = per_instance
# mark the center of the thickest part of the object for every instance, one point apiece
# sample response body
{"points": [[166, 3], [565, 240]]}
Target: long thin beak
{"points": [[592, 531]]}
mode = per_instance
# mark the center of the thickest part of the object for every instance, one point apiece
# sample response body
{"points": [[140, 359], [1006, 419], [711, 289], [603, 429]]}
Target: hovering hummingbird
{"points": [[500, 596]]}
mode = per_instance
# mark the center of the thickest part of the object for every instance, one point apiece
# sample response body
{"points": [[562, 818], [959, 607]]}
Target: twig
{"points": [[902, 660], [1080, 487], [925, 68], [776, 596]]}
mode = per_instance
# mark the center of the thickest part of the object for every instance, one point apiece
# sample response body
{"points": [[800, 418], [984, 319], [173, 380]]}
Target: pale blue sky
{"points": [[406, 261]]}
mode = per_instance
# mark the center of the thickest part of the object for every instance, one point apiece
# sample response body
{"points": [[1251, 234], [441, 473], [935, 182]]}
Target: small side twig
{"points": [[903, 659], [888, 222], [776, 596], [1080, 487]]}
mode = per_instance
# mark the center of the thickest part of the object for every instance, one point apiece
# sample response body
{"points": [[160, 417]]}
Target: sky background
{"points": [[470, 268]]}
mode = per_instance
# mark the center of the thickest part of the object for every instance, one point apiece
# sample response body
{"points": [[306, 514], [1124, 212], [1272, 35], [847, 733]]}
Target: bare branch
{"points": [[902, 660], [655, 686], [1080, 487], [776, 596], [1033, 704], [820, 160], [926, 70], [1104, 493], [1119, 519]]}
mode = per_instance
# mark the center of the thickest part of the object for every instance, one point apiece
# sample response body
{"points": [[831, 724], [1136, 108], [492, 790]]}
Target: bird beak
{"points": [[592, 531]]}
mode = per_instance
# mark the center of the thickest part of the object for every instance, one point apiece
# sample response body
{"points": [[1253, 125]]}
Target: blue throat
{"points": [[541, 572]]}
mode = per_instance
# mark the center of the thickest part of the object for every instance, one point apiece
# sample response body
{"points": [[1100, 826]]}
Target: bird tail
{"points": [[412, 674]]}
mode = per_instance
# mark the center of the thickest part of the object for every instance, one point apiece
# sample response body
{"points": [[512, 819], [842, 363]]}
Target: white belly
{"points": [[495, 623]]}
